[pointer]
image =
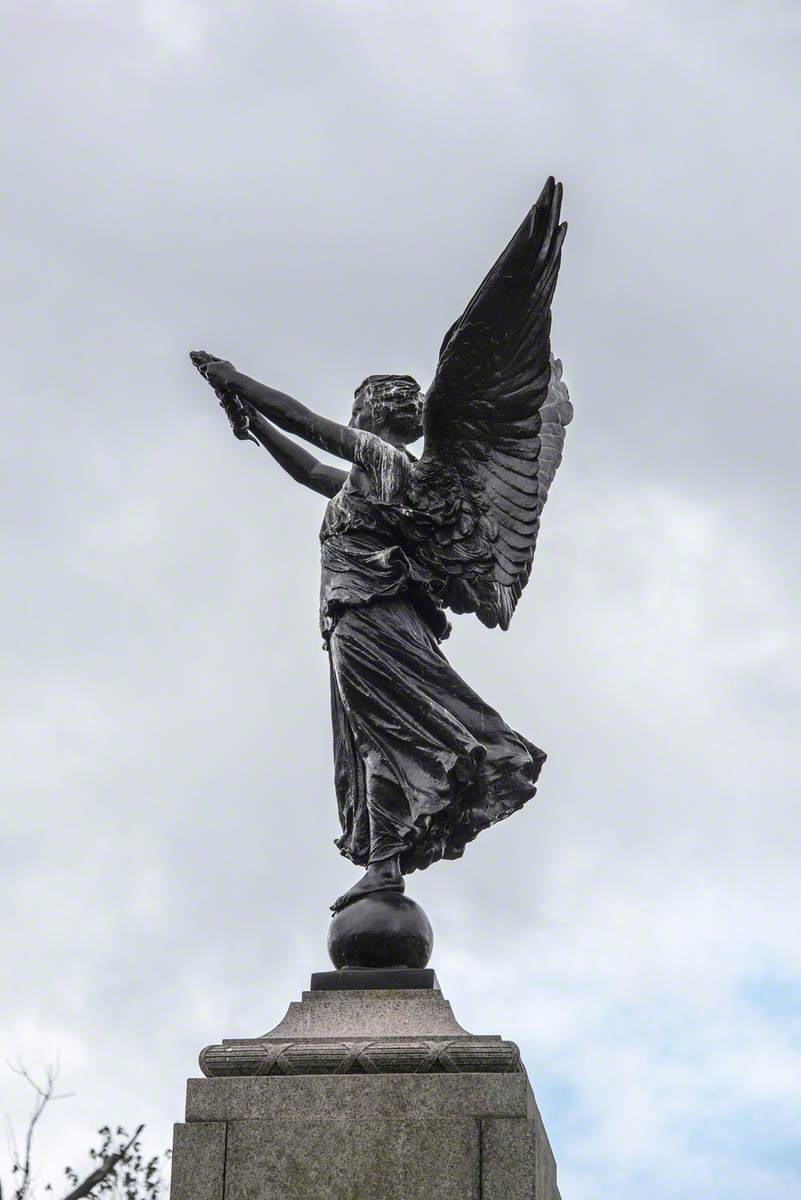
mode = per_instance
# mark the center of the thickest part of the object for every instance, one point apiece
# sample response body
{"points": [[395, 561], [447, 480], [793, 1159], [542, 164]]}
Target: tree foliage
{"points": [[120, 1171]]}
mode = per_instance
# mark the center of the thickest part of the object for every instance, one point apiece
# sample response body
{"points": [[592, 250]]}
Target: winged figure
{"points": [[421, 763]]}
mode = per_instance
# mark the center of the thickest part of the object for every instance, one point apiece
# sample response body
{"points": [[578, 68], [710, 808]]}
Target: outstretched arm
{"points": [[282, 410], [297, 462]]}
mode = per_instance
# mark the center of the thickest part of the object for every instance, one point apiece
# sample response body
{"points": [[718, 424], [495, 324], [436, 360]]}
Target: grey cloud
{"points": [[315, 190]]}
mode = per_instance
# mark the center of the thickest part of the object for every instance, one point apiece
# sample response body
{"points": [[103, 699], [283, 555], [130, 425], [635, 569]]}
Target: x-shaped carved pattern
{"points": [[277, 1058]]}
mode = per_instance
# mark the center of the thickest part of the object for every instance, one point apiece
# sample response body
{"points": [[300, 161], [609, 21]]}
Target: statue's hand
{"points": [[216, 371], [239, 418], [219, 373]]}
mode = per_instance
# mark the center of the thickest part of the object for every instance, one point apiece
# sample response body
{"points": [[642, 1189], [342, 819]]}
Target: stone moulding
{"points": [[393, 1032], [375, 1056]]}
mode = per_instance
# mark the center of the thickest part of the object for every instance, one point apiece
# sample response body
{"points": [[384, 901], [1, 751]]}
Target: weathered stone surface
{"points": [[516, 1161], [424, 1132], [360, 1056], [363, 1032], [342, 1160], [399, 1012], [198, 1161], [360, 1097]]}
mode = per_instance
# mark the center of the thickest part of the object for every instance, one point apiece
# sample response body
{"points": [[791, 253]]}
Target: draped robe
{"points": [[421, 763]]}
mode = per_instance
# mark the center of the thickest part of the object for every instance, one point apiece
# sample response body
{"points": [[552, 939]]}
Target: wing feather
{"points": [[496, 412]]}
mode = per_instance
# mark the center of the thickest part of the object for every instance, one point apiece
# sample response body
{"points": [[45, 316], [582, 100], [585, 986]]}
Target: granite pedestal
{"points": [[369, 1093]]}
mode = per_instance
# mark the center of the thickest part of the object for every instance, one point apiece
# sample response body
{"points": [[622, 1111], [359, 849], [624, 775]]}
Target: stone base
{"points": [[371, 1127]]}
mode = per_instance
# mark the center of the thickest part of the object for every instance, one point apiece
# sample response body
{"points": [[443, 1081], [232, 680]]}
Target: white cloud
{"points": [[180, 25]]}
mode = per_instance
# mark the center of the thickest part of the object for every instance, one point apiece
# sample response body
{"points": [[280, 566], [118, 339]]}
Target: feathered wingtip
{"points": [[549, 200], [550, 190], [558, 395]]}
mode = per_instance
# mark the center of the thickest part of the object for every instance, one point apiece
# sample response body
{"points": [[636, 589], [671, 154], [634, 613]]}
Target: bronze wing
{"points": [[495, 418]]}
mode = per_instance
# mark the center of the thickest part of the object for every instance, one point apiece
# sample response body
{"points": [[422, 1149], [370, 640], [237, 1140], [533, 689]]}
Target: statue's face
{"points": [[403, 426], [394, 413]]}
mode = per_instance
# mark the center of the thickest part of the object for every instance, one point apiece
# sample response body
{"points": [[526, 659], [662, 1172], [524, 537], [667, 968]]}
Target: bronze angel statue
{"points": [[421, 763]]}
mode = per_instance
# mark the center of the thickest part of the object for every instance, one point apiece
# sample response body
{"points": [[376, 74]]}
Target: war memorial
{"points": [[369, 1089]]}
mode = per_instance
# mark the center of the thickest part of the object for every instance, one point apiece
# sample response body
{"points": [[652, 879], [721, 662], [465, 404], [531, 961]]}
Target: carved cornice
{"points": [[361, 1056]]}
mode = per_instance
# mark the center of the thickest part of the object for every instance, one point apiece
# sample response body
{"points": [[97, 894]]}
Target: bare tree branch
{"points": [[44, 1094], [106, 1168]]}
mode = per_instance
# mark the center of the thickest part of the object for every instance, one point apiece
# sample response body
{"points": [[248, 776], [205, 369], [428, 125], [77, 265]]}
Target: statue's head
{"points": [[391, 406]]}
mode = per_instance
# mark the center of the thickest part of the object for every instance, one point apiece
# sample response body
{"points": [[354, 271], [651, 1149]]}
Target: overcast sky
{"points": [[314, 190]]}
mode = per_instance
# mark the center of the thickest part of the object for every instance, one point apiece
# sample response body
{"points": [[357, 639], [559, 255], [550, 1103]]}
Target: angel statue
{"points": [[421, 763]]}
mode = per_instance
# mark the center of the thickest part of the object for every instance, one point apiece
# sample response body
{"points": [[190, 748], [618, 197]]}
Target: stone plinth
{"points": [[363, 1095]]}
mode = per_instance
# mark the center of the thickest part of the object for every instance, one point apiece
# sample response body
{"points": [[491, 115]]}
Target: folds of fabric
{"points": [[414, 743]]}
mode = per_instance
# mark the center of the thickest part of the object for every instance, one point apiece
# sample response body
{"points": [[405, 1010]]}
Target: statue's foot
{"points": [[383, 876]]}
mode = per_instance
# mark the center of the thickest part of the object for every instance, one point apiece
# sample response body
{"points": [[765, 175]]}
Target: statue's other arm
{"points": [[297, 462]]}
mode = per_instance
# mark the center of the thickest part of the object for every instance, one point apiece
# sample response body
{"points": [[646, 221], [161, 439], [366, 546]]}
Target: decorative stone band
{"points": [[376, 1056]]}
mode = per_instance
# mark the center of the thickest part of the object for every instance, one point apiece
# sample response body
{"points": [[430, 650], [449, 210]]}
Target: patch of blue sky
{"points": [[558, 1100], [776, 995], [765, 1137]]}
